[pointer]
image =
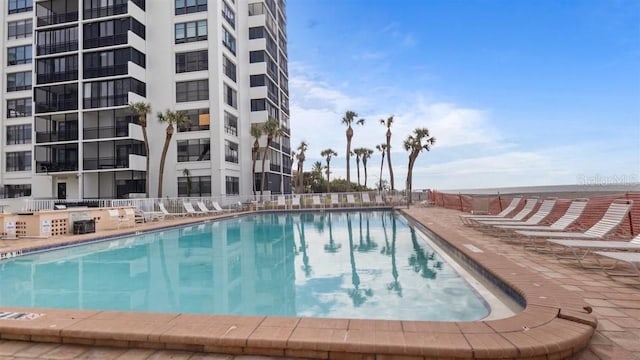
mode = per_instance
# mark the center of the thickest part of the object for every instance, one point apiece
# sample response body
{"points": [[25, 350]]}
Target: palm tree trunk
{"points": [[381, 165], [328, 175], [389, 160], [264, 158], [364, 165], [358, 168], [412, 160], [349, 136], [167, 141], [148, 160], [253, 171]]}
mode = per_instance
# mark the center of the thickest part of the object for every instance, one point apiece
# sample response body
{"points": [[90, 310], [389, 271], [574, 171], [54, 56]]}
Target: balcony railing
{"points": [[274, 167], [91, 73], [105, 11], [105, 41], [57, 77], [106, 163], [55, 166], [45, 137], [57, 18], [57, 48], [106, 101], [62, 105], [105, 132]]}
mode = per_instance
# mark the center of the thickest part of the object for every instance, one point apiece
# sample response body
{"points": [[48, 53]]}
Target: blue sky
{"points": [[516, 92]]}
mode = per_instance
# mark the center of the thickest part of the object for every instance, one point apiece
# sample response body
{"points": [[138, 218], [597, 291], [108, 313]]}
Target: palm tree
{"points": [[387, 123], [273, 130], [172, 118], [382, 148], [348, 119], [256, 134], [300, 156], [359, 152], [141, 109], [414, 144], [328, 154], [366, 155]]}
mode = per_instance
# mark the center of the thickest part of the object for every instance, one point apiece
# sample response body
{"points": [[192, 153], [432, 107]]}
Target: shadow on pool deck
{"points": [[553, 324]]}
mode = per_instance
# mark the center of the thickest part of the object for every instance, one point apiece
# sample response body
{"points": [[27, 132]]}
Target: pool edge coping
{"points": [[553, 324]]}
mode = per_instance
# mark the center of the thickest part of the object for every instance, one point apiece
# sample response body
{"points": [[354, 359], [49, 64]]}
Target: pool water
{"points": [[369, 265]]}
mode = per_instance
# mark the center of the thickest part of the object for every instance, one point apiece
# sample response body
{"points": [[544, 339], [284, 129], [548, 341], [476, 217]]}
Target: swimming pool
{"points": [[369, 265]]}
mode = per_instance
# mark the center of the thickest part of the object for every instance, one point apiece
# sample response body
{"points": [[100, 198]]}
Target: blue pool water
{"points": [[369, 265]]}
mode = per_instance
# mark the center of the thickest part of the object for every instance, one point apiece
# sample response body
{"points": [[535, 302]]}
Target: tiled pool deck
{"points": [[553, 325]]}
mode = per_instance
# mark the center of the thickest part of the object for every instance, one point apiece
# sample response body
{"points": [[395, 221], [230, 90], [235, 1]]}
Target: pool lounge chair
{"points": [[167, 213], [114, 214], [572, 214], [580, 249], [281, 202], [335, 201], [190, 210], [468, 218], [496, 227], [529, 205], [316, 201], [219, 208], [632, 259], [609, 221], [351, 201], [365, 199], [205, 209], [379, 200], [295, 201]]}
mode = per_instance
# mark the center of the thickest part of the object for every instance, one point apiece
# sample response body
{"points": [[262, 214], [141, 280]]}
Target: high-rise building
{"points": [[70, 68]]}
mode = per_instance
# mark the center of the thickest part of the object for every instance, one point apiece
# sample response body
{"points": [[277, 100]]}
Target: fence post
{"points": [[460, 198], [500, 201], [630, 217]]}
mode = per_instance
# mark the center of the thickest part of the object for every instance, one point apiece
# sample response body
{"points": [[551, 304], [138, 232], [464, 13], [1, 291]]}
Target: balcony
{"points": [[106, 132], [106, 163], [57, 48], [47, 137], [103, 41], [55, 166], [106, 101], [105, 71], [57, 77], [54, 19], [105, 11]]}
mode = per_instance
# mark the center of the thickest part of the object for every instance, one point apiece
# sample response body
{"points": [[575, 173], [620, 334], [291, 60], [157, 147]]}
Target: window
{"points": [[230, 151], [257, 80], [230, 124], [19, 134], [232, 185], [258, 104], [190, 6], [195, 90], [191, 31], [111, 32], [19, 55], [194, 150], [58, 40], [18, 6], [14, 191], [19, 81], [198, 120], [19, 108], [99, 94], [228, 15], [192, 61], [256, 32], [228, 40], [57, 69], [256, 9], [194, 186], [111, 62], [230, 96], [256, 56], [20, 29], [18, 161], [229, 68], [56, 98]]}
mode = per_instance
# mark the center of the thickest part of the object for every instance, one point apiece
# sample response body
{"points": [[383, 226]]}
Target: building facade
{"points": [[72, 67]]}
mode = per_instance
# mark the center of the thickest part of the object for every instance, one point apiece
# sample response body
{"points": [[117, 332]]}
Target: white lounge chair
{"points": [[351, 201], [633, 259], [114, 214], [167, 213], [295, 201], [205, 209], [219, 208], [335, 201], [379, 200], [365, 199], [468, 218], [580, 249], [316, 201], [609, 221], [572, 214], [543, 211], [190, 210], [529, 205], [281, 202]]}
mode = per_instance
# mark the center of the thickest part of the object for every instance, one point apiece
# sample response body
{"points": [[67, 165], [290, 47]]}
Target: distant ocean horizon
{"points": [[576, 188]]}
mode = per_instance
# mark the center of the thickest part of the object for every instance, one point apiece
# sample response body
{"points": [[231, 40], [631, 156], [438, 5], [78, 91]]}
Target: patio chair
{"points": [[335, 202], [114, 214], [219, 208], [379, 200], [616, 212], [544, 210], [572, 214], [580, 249], [316, 201], [530, 203], [281, 202], [351, 201], [205, 209], [167, 213], [131, 214], [190, 210], [632, 259], [365, 199], [468, 218], [295, 201]]}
